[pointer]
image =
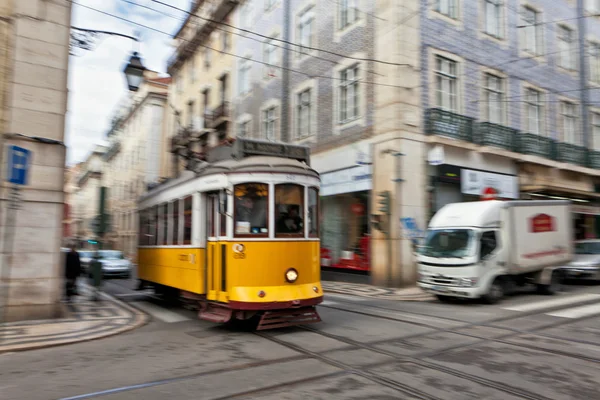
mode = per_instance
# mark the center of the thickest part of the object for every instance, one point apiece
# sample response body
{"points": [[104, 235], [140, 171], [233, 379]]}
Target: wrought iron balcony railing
{"points": [[594, 159], [571, 153], [445, 123], [489, 134], [536, 145]]}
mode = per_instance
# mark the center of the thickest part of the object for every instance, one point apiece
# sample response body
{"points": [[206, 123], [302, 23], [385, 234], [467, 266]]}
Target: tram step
{"points": [[214, 314], [285, 318]]}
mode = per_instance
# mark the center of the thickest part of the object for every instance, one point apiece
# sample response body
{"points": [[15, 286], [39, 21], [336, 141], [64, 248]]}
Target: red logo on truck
{"points": [[542, 223]]}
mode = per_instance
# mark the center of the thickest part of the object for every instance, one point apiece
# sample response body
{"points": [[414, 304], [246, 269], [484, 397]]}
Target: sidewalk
{"points": [[375, 292], [86, 320]]}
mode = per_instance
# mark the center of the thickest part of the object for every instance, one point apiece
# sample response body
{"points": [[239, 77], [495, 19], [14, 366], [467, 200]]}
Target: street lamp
{"points": [[134, 72]]}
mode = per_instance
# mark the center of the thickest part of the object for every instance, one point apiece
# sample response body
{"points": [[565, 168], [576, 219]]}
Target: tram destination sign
{"points": [[245, 148]]}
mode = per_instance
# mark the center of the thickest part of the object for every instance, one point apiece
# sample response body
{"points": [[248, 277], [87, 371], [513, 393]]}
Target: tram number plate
{"points": [[183, 257], [290, 177], [239, 255]]}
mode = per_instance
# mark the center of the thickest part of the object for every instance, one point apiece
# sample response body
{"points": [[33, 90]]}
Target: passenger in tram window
{"points": [[290, 222]]}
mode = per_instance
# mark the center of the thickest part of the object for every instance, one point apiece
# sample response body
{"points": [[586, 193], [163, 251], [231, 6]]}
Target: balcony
{"points": [[445, 123], [594, 159], [573, 154], [535, 145], [489, 134], [219, 115]]}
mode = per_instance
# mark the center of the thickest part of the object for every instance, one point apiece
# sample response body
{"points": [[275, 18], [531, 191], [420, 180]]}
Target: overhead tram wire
{"points": [[244, 36], [282, 40], [231, 54]]}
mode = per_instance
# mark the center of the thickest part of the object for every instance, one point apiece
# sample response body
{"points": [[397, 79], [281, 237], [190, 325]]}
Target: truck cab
{"points": [[480, 249]]}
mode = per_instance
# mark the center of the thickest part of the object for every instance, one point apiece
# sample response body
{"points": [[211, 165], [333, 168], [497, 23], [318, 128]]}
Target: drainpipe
{"points": [[583, 74], [285, 73]]}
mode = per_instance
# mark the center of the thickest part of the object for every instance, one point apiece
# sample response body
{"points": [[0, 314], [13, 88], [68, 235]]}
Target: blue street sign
{"points": [[18, 165], [411, 227]]}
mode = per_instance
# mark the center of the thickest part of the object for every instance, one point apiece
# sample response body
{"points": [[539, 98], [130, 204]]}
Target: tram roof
{"points": [[245, 156]]}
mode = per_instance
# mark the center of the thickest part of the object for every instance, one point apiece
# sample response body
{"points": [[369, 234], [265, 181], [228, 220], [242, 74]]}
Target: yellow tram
{"points": [[240, 236]]}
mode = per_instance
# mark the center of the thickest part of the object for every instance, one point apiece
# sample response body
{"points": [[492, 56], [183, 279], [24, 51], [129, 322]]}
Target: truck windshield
{"points": [[450, 243]]}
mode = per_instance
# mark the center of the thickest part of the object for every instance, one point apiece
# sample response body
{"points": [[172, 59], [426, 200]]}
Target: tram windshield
{"points": [[289, 209], [251, 209]]}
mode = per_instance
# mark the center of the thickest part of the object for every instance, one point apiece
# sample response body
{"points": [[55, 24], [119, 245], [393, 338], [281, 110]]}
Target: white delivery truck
{"points": [[483, 249]]}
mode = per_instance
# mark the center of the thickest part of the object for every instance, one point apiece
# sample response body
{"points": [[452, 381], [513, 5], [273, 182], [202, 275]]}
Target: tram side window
{"points": [[152, 232], [175, 218], [289, 210], [187, 220], [251, 207], [313, 212], [165, 224], [142, 238]]}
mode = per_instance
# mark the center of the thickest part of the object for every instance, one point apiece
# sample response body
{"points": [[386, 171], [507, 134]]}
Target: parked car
{"points": [[85, 256], [114, 264], [586, 263]]}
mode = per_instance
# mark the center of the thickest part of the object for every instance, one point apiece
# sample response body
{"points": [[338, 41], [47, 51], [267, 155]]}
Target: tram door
{"points": [[216, 250]]}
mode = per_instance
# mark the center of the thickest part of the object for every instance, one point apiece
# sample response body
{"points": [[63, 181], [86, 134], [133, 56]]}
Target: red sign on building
{"points": [[542, 223], [489, 193]]}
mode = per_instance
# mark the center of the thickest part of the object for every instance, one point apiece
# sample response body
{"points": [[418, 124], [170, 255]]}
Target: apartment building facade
{"points": [[34, 53], [137, 157], [201, 70], [86, 200]]}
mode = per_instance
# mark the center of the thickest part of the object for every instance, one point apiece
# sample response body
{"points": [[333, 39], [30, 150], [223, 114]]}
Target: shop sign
{"points": [[348, 180], [541, 223], [476, 182]]}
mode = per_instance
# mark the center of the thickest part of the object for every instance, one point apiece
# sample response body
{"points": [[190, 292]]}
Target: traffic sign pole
{"points": [[18, 160]]}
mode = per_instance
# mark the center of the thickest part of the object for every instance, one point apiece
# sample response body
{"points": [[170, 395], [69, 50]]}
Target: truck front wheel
{"points": [[496, 292]]}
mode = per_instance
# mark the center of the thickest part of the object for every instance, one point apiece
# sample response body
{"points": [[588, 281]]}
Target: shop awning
{"points": [[568, 194]]}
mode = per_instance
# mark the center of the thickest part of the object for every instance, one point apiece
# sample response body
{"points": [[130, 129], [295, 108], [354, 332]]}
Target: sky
{"points": [[96, 79]]}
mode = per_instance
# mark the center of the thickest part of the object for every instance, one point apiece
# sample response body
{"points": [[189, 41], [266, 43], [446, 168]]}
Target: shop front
{"points": [[346, 183], [455, 184]]}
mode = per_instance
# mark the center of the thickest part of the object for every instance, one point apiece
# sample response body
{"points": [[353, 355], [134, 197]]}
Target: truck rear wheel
{"points": [[496, 292], [553, 287]]}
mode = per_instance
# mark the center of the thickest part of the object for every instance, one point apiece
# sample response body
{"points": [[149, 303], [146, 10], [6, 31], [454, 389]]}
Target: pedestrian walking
{"points": [[72, 272]]}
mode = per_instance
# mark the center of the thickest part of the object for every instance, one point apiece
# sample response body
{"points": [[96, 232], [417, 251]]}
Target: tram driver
{"points": [[290, 222]]}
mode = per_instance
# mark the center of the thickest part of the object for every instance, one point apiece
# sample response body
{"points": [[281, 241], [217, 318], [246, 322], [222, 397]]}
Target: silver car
{"points": [[586, 262], [114, 264]]}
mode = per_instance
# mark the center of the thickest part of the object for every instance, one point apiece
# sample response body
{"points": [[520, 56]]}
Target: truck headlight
{"points": [[468, 282]]}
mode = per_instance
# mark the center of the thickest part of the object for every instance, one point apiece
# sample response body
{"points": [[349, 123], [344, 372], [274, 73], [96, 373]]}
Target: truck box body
{"points": [[539, 235]]}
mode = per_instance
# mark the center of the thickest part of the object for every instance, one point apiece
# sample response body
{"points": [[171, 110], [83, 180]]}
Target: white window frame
{"points": [[245, 119], [450, 75], [531, 30], [244, 76], [592, 6], [306, 17], [569, 121], [447, 8], [595, 128], [349, 89], [207, 58], [566, 48], [348, 14], [494, 98], [192, 68], [534, 111], [270, 57], [270, 4], [304, 107], [594, 62], [269, 128], [493, 18]]}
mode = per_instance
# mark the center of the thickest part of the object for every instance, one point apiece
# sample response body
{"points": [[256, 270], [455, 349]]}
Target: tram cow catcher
{"points": [[240, 236]]}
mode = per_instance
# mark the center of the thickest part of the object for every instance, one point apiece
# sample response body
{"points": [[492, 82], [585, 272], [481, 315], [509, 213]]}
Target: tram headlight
{"points": [[291, 275]]}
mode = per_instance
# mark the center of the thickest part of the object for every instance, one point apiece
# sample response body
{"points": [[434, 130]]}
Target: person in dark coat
{"points": [[72, 272]]}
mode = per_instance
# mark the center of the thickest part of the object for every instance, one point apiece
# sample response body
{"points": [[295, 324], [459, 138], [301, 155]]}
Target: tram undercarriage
{"points": [[266, 316]]}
